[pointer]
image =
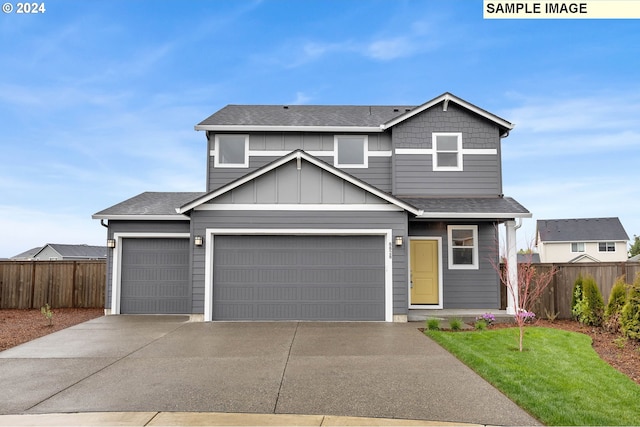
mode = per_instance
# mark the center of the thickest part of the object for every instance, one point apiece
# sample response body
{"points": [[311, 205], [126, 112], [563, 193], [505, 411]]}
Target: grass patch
{"points": [[559, 378]]}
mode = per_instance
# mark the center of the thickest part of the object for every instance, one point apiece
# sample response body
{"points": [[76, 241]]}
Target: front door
{"points": [[424, 272]]}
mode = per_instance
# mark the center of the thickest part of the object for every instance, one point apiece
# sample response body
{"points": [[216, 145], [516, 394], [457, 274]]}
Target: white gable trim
{"points": [[298, 154], [446, 98]]}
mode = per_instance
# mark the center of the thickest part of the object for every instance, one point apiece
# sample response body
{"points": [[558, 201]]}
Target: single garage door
{"points": [[299, 278], [155, 276]]}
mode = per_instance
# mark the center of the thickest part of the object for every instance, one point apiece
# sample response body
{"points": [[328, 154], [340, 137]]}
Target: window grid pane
{"points": [[231, 149]]}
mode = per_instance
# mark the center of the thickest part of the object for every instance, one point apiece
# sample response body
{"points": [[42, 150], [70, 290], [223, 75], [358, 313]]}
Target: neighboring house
{"points": [[319, 212], [59, 252], [581, 240]]}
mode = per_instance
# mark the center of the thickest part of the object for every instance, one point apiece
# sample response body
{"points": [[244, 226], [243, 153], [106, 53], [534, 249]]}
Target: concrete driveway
{"points": [[165, 363]]}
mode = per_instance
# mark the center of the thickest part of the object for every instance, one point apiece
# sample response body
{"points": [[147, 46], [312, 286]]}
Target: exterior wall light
{"points": [[111, 243], [197, 240], [399, 240]]}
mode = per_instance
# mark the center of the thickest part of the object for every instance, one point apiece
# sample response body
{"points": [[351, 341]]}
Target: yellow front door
{"points": [[424, 272]]}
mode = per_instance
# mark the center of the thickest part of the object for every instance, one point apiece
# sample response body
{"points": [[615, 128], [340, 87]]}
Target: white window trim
{"points": [[365, 154], [434, 136], [605, 247], [578, 251], [475, 247], [216, 151]]}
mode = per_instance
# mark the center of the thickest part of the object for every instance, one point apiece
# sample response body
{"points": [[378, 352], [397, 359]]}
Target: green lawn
{"points": [[559, 378]]}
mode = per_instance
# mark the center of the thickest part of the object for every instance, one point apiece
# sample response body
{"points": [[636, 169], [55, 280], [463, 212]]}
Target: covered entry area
{"points": [[310, 275]]}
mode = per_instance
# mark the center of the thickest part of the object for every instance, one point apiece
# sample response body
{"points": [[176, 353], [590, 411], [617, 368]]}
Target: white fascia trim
{"points": [[440, 304], [168, 217], [210, 234], [472, 215], [297, 207], [310, 159], [263, 128], [431, 151], [446, 98], [116, 268]]}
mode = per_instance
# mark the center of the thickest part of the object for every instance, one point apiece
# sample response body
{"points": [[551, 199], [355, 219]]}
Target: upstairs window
{"points": [[463, 246], [577, 247], [351, 151], [231, 151], [606, 247], [447, 151]]}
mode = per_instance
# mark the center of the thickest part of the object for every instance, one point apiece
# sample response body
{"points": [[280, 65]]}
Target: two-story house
{"points": [[323, 212], [581, 240]]}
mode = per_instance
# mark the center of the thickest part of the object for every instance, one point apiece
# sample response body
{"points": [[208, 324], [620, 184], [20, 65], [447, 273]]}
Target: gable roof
{"points": [[27, 254], [581, 230], [149, 205], [329, 118], [75, 251], [297, 154]]}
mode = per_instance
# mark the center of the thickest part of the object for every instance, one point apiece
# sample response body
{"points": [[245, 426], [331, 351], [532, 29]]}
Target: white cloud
{"points": [[387, 49]]}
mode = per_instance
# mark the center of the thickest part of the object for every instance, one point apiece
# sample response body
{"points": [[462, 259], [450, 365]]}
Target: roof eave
{"points": [[168, 217], [283, 128], [475, 215]]}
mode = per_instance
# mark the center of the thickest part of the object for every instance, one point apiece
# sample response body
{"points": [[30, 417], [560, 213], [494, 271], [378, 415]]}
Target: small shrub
{"points": [[455, 324], [550, 315], [481, 324], [528, 316], [47, 313], [487, 318], [576, 298], [620, 342], [592, 305], [617, 299], [630, 314], [433, 324]]}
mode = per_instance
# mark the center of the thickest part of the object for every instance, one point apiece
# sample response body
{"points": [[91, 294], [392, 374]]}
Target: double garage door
{"points": [[262, 277], [298, 278]]}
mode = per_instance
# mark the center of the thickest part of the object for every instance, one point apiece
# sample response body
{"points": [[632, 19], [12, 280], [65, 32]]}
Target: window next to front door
{"points": [[463, 247]]}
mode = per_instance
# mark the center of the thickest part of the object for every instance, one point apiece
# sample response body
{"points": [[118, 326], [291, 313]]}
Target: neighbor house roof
{"points": [[67, 251], [149, 205], [581, 229], [324, 118], [468, 207], [27, 254]]}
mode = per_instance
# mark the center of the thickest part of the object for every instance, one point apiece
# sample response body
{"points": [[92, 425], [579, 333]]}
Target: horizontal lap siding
{"points": [[466, 288], [396, 221]]}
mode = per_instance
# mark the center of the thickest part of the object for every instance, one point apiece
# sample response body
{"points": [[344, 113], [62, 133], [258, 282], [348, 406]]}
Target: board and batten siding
{"points": [[320, 145], [281, 220], [466, 288], [414, 174], [117, 226]]}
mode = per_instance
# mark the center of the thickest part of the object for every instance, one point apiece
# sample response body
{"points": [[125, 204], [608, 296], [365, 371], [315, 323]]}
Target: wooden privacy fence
{"points": [[557, 297], [61, 284]]}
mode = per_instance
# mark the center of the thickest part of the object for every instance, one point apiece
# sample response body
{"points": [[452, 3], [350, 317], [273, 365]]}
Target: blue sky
{"points": [[98, 99]]}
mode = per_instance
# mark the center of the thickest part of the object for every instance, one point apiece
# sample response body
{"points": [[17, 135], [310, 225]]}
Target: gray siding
{"points": [[414, 174], [288, 184], [137, 227], [466, 288], [377, 174], [397, 221]]}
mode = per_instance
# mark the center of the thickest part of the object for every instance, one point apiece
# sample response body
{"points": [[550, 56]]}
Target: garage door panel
{"points": [[299, 278], [155, 276]]}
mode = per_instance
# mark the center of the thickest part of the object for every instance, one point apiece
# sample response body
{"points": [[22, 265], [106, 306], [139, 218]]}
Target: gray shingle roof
{"points": [[581, 229], [79, 251], [149, 204], [304, 115], [503, 206]]}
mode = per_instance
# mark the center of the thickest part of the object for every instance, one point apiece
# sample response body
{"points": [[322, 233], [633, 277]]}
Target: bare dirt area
{"points": [[20, 326]]}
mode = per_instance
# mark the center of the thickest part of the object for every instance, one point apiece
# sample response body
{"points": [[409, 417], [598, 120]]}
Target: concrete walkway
{"points": [[164, 370]]}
